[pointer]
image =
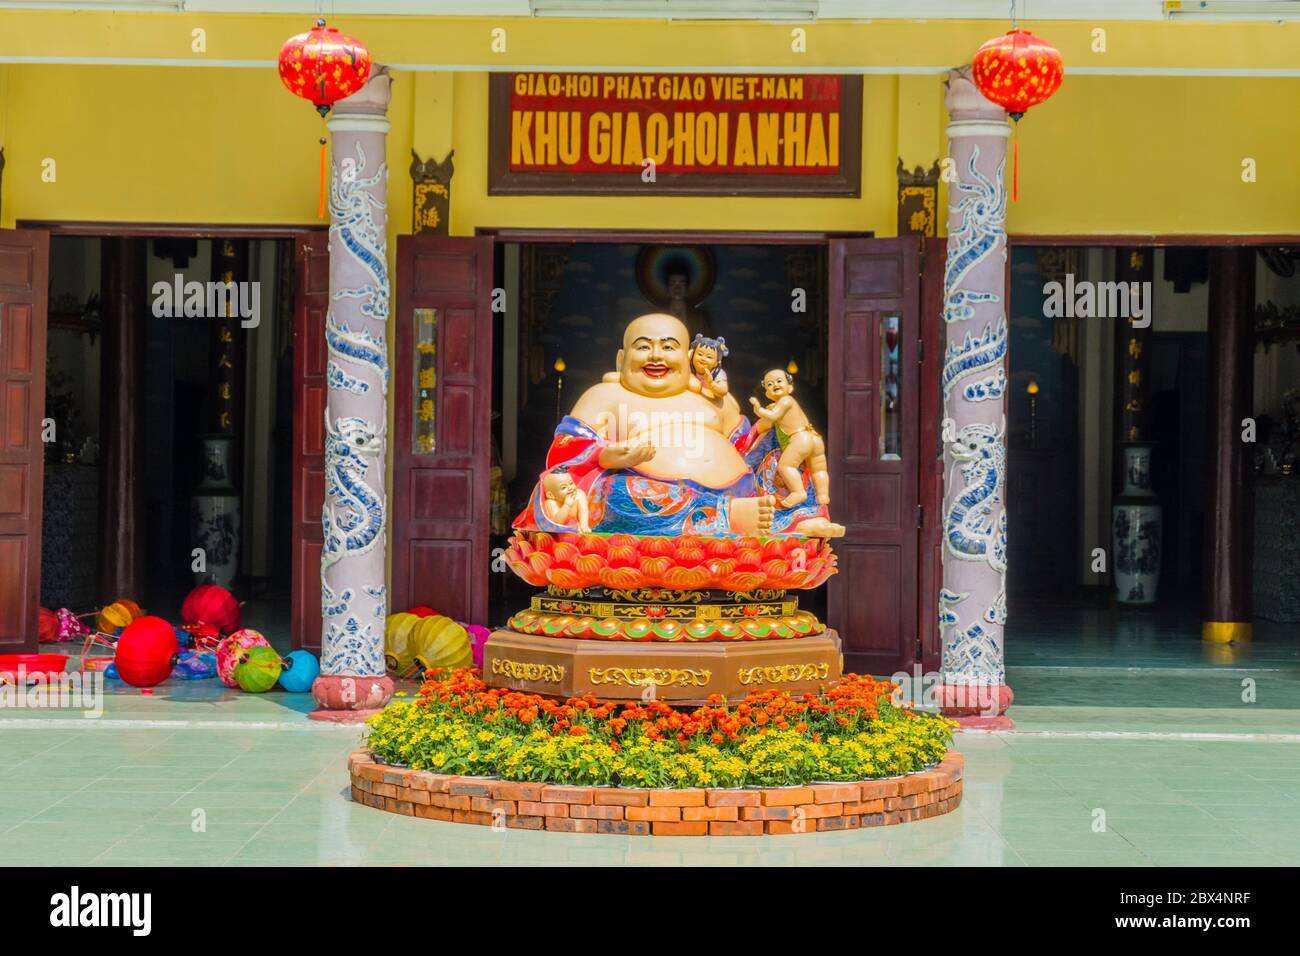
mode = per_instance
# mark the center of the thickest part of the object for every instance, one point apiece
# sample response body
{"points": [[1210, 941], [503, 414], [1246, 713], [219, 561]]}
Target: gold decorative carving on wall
{"points": [[650, 676], [918, 200], [528, 670], [783, 673], [431, 212]]}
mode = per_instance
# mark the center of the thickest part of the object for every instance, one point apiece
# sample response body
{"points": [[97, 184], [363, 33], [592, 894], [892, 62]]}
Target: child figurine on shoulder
{"points": [[707, 376]]}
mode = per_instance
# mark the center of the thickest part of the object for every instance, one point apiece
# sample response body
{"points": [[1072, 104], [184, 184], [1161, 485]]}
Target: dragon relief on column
{"points": [[353, 226], [983, 209]]}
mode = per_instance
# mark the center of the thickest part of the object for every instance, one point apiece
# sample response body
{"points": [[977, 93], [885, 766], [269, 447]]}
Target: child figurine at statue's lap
{"points": [[707, 376], [564, 502], [797, 438]]}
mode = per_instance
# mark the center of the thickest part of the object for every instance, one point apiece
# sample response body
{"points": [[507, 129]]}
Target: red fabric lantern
{"points": [[211, 604], [422, 610], [146, 651], [1017, 71], [323, 66], [47, 627]]}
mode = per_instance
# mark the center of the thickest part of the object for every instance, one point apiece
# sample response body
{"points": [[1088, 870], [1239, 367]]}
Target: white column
{"points": [[972, 603], [354, 594]]}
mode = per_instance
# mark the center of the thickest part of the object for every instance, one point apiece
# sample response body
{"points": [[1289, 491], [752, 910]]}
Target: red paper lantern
{"points": [[324, 66], [146, 651], [211, 604], [1017, 71], [422, 610], [47, 627]]}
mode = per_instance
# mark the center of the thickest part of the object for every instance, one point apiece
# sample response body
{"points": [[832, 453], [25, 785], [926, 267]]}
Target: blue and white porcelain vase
{"points": [[214, 514], [1136, 529]]}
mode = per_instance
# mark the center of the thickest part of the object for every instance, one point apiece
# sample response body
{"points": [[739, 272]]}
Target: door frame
{"points": [[928, 317], [160, 230]]}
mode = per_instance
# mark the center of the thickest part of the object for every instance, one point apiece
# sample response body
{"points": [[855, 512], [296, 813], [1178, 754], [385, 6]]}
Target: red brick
{"points": [[470, 787], [699, 828], [449, 802], [917, 783], [582, 812], [865, 806], [418, 796], [383, 789], [815, 811], [566, 795], [358, 795], [766, 813], [529, 809], [433, 813], [571, 826], [723, 814], [742, 828], [526, 823], [469, 816], [902, 803], [372, 772], [677, 798], [489, 805], [835, 792], [624, 827], [844, 822], [504, 790], [609, 797], [734, 798], [656, 814], [874, 820], [790, 826], [397, 776], [879, 789], [787, 797]]}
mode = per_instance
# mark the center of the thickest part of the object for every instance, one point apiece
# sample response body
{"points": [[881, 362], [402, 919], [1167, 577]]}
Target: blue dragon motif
{"points": [[353, 225], [969, 525], [353, 514], [983, 209], [974, 355], [358, 347]]}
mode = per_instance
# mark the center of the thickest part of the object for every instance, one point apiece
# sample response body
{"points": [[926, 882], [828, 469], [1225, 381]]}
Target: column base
{"points": [[348, 699], [1226, 632], [976, 706]]}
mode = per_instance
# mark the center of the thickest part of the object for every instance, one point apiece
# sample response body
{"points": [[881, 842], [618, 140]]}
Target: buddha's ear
{"points": [[618, 359]]}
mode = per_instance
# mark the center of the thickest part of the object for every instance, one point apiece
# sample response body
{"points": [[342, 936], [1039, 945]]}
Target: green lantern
{"points": [[258, 669]]}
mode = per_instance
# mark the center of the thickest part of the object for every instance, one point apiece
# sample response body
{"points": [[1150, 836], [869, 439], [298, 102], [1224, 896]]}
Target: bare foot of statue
{"points": [[752, 515], [819, 528], [793, 500]]}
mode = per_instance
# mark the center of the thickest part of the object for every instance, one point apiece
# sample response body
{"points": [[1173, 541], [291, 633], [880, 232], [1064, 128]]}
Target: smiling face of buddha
{"points": [[653, 360]]}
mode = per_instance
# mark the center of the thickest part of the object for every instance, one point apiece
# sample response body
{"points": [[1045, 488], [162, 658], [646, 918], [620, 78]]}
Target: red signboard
{"points": [[697, 133]]}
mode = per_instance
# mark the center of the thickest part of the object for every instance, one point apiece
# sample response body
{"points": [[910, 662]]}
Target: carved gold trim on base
{"points": [[650, 676], [1226, 632], [528, 670], [783, 673]]}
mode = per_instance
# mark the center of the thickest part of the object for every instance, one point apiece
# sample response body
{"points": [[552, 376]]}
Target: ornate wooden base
{"points": [[677, 673]]}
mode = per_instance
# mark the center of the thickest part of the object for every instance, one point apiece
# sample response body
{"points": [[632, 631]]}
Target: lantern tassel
{"points": [[1015, 165], [324, 178]]}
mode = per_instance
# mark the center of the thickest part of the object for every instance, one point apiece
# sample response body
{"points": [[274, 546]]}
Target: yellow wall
{"points": [[1109, 154]]}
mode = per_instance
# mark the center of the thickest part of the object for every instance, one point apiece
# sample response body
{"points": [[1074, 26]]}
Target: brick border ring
{"points": [[811, 808]]}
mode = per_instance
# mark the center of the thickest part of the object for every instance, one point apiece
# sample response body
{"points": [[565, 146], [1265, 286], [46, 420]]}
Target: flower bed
{"points": [[850, 732]]}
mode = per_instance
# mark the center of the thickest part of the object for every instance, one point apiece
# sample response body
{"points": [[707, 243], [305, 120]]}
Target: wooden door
{"points": [[442, 387], [24, 272], [873, 414], [930, 430], [311, 302]]}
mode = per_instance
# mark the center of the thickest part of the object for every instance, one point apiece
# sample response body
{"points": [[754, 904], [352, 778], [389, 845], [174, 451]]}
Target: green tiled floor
{"points": [[187, 795], [1135, 745]]}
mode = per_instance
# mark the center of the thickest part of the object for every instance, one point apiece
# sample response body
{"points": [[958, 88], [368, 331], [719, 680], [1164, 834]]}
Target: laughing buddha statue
{"points": [[650, 455]]}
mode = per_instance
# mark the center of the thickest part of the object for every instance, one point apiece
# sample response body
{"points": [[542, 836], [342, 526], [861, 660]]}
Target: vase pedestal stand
{"points": [[684, 672]]}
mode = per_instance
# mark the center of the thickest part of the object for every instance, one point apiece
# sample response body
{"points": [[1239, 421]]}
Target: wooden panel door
{"points": [[930, 453], [874, 411], [442, 386], [311, 302], [24, 272]]}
